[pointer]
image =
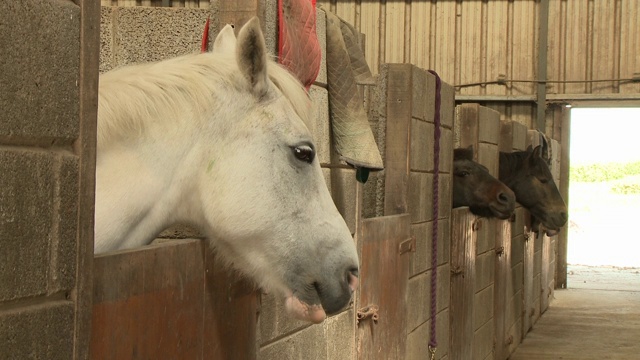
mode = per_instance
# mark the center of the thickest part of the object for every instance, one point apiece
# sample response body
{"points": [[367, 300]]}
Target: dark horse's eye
{"points": [[304, 153], [543, 180], [461, 173]]}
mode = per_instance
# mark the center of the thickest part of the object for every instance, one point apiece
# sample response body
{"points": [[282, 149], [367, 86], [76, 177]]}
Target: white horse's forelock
{"points": [[132, 96]]}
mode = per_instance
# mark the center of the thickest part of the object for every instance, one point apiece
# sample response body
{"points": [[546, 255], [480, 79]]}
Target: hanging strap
{"points": [[434, 236]]}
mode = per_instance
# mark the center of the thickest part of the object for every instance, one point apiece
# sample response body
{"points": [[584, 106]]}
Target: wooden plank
{"points": [[497, 35], [385, 272], [445, 44], [629, 15], [523, 45], [561, 261], [528, 310], [471, 47], [463, 255], [370, 24], [501, 287], [605, 51], [421, 36], [546, 275], [466, 127], [230, 313], [576, 56], [148, 303], [398, 135], [394, 32]]}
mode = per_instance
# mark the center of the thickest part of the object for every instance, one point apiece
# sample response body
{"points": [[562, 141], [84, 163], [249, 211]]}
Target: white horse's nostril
{"points": [[353, 281]]}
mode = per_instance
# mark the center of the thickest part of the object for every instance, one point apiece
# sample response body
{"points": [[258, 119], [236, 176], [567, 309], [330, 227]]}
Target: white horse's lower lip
{"points": [[303, 311]]}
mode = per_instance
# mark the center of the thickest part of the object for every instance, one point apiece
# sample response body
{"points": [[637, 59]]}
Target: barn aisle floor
{"points": [[598, 317]]}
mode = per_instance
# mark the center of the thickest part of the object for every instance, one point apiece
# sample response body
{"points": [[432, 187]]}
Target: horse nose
{"points": [[352, 278], [564, 217], [503, 198]]}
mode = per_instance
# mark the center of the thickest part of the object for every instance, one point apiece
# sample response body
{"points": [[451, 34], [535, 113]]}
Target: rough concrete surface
{"points": [[39, 83], [597, 317]]}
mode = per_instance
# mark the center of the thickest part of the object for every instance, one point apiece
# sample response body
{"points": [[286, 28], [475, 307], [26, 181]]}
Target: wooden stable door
{"points": [[384, 244], [169, 301]]}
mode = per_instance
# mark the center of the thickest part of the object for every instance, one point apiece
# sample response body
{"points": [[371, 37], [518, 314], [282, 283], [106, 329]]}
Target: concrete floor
{"points": [[598, 317]]}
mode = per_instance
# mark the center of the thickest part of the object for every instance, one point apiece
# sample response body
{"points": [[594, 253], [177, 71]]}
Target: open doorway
{"points": [[604, 188]]}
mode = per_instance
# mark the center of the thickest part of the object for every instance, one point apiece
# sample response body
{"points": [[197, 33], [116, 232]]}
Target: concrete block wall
{"points": [[47, 147], [401, 109]]}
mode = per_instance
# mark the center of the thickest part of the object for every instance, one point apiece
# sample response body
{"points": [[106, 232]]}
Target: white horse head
{"points": [[219, 140]]}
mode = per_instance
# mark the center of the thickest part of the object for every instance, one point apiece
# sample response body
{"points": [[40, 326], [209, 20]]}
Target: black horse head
{"points": [[474, 187], [527, 174]]}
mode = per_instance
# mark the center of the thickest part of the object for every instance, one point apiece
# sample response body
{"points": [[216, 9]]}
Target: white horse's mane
{"points": [[132, 96]]}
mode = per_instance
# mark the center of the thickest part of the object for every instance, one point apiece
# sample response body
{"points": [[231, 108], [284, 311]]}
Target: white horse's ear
{"points": [[251, 53], [225, 41]]}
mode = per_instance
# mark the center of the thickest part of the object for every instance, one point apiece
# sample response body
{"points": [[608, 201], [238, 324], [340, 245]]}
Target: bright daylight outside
{"points": [[604, 190]]}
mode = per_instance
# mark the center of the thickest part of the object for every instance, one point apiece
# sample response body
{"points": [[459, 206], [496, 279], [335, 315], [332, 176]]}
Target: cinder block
{"points": [[447, 105], [144, 34], [181, 232], [321, 31], [270, 26], [106, 39], [326, 173], [344, 193], [446, 150], [321, 127], [485, 270], [63, 258], [26, 213], [373, 197], [519, 136], [39, 81], [483, 341], [420, 196], [488, 156], [340, 345], [422, 146], [417, 340], [38, 332], [488, 125], [417, 345], [482, 307], [422, 98], [466, 126], [444, 196], [421, 258], [309, 343], [418, 300]]}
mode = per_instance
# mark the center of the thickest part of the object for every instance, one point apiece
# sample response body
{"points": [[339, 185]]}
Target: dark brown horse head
{"points": [[527, 174], [474, 187]]}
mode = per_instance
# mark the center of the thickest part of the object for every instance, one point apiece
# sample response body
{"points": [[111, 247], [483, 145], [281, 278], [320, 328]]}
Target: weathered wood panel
{"points": [[398, 147], [463, 271], [148, 303], [386, 270], [170, 300], [477, 41], [501, 288]]}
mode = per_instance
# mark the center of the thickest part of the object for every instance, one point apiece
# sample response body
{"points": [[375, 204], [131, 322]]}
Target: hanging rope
{"points": [[434, 236]]}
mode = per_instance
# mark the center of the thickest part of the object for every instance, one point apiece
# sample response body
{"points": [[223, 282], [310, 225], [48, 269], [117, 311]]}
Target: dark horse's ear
{"points": [[537, 153], [545, 150], [463, 153]]}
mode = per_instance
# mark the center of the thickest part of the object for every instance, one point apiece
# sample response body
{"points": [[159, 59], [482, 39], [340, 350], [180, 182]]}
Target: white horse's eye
{"points": [[304, 153]]}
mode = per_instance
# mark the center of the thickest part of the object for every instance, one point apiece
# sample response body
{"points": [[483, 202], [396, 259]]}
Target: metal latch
{"points": [[369, 311]]}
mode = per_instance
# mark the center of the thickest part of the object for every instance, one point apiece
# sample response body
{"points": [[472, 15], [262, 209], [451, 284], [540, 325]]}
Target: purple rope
{"points": [[434, 236]]}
